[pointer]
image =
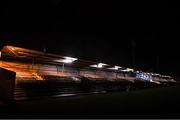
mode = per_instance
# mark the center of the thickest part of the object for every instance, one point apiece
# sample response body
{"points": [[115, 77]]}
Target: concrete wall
{"points": [[7, 84]]}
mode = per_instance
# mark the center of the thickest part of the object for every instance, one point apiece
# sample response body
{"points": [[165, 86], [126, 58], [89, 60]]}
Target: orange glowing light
{"points": [[37, 76]]}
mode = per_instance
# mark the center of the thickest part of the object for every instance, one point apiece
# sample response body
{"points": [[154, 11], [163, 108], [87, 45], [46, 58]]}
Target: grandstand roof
{"points": [[32, 56]]}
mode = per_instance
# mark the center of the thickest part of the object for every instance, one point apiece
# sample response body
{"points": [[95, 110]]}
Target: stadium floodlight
{"points": [[128, 70], [93, 66], [115, 68], [99, 65], [156, 74], [67, 60]]}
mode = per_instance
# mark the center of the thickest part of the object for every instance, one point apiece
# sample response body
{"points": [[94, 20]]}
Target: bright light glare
{"points": [[143, 76], [128, 70], [67, 60], [70, 58], [155, 74], [115, 68], [99, 65]]}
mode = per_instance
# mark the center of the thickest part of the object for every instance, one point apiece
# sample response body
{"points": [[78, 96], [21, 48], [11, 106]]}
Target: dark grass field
{"points": [[148, 103]]}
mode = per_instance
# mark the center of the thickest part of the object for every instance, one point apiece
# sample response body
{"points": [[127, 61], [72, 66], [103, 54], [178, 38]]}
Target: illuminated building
{"points": [[31, 65], [36, 65]]}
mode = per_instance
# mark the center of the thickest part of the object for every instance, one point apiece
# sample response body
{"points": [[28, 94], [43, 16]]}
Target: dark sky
{"points": [[102, 31]]}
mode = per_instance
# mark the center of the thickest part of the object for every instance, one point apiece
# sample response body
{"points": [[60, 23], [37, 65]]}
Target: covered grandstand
{"points": [[36, 68]]}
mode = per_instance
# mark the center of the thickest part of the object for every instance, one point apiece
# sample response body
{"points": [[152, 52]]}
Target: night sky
{"points": [[102, 31]]}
